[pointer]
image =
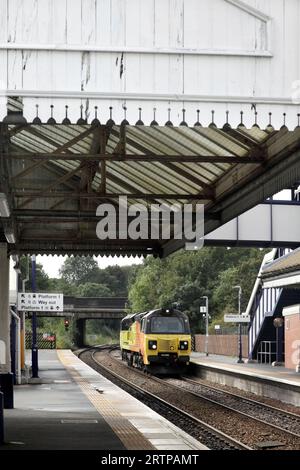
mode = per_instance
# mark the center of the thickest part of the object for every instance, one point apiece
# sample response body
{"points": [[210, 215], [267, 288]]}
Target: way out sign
{"points": [[38, 302], [231, 318]]}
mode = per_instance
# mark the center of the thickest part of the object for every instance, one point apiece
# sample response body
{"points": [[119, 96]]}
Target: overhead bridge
{"points": [[91, 308], [273, 224], [80, 309]]}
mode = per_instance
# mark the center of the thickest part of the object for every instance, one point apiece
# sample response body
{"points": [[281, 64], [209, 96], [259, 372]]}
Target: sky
{"points": [[52, 264]]}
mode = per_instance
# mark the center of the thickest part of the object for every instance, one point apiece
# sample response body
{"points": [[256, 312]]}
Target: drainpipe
{"points": [[18, 345]]}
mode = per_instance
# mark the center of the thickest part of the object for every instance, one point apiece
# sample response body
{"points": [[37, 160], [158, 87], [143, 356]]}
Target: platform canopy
{"points": [[55, 175]]}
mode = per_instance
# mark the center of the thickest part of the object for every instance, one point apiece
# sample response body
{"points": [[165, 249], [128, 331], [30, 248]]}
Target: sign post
{"points": [[218, 329], [34, 346], [232, 318], [38, 302]]}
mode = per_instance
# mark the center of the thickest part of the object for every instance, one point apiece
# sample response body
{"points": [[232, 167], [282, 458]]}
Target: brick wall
{"points": [[225, 345], [292, 341]]}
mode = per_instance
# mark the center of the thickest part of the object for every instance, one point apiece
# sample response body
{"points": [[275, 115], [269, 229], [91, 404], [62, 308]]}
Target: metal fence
{"points": [[230, 330], [267, 352], [44, 340]]}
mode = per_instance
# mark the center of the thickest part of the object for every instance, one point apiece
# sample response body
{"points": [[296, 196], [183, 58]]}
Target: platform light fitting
{"points": [[4, 207], [10, 236]]}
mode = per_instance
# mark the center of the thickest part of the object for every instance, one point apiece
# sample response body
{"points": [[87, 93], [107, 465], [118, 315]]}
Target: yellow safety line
{"points": [[131, 437]]}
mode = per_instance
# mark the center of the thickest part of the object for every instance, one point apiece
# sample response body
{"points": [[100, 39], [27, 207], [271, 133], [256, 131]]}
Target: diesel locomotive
{"points": [[158, 341]]}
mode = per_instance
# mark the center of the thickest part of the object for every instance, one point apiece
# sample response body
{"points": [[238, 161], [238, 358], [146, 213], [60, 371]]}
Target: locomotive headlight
{"points": [[184, 345], [152, 345]]}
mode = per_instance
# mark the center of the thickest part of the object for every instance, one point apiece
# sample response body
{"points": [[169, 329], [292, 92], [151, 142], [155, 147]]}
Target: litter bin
{"points": [[7, 388], [1, 419]]}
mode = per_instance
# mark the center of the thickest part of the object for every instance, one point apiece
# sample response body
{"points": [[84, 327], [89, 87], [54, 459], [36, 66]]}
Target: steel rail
{"points": [[264, 407], [222, 440], [284, 414]]}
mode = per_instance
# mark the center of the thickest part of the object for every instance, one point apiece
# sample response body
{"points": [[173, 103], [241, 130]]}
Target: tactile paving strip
{"points": [[127, 433]]}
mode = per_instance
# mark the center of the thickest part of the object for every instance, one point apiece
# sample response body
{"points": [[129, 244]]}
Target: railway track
{"points": [[267, 414], [261, 412], [251, 423], [203, 432]]}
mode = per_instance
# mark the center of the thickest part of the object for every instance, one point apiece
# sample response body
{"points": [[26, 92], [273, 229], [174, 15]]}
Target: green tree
{"points": [[64, 287], [79, 270], [90, 289], [115, 278], [42, 279], [145, 289], [187, 276]]}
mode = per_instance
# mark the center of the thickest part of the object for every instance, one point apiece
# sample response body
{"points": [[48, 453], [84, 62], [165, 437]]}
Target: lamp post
{"points": [[206, 323], [240, 359], [278, 323]]}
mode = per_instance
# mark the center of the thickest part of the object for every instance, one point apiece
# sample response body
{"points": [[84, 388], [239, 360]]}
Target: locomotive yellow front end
{"points": [[166, 341]]}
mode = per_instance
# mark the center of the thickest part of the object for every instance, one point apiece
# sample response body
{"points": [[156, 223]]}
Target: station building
{"points": [[184, 110]]}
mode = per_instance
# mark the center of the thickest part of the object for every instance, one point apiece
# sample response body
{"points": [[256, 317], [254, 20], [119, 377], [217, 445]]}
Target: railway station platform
{"points": [[260, 379], [73, 407]]}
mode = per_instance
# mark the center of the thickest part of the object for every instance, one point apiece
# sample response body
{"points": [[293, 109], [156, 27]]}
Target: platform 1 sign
{"points": [[39, 302], [233, 318]]}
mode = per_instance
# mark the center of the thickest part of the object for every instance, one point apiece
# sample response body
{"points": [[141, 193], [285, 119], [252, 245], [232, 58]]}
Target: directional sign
{"points": [[233, 318], [38, 302]]}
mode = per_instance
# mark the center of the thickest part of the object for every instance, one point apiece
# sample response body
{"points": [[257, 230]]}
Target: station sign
{"points": [[48, 337], [234, 318], [39, 302]]}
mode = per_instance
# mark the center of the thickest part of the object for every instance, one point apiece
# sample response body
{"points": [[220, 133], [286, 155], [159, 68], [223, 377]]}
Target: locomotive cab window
{"points": [[167, 325], [126, 324]]}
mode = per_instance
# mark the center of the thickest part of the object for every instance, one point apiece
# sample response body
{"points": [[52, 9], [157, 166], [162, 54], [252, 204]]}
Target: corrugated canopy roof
{"points": [[56, 175], [288, 264]]}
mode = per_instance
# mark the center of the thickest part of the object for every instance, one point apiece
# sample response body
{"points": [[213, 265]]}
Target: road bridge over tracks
{"points": [[80, 309], [91, 308]]}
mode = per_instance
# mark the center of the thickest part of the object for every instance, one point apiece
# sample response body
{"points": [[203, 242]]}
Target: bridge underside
{"points": [[85, 315], [91, 308], [54, 176]]}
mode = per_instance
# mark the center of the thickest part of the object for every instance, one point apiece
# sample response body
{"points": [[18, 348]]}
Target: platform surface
{"points": [[266, 372], [74, 407]]}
